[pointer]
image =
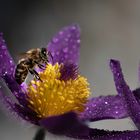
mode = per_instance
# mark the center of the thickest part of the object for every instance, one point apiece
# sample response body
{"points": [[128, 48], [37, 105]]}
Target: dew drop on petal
{"points": [[65, 50], [66, 39], [69, 35], [55, 40], [74, 46], [57, 53], [52, 53], [78, 41], [3, 47], [11, 61], [73, 27], [116, 112], [71, 52], [66, 56], [61, 33], [106, 103]]}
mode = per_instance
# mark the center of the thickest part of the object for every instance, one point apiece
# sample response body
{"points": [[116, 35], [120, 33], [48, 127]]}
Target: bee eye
{"points": [[43, 51]]}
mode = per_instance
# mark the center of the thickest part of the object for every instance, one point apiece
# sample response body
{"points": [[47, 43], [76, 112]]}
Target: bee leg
{"points": [[40, 66], [49, 53], [36, 75]]}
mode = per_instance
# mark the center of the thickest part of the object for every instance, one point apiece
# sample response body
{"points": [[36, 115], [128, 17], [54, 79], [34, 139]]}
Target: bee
{"points": [[31, 59]]}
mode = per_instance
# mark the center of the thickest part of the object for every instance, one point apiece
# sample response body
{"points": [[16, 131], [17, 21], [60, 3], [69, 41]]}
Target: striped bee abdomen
{"points": [[21, 71]]}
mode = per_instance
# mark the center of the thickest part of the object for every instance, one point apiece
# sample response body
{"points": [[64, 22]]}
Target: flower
{"points": [[60, 101]]}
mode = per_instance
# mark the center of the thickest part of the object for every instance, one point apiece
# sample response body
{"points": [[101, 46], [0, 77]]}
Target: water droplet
{"points": [[66, 56], [116, 112], [57, 53], [65, 50], [68, 35], [52, 53], [87, 108], [73, 27], [3, 47], [12, 69], [66, 39], [4, 73], [106, 103], [78, 41], [90, 112], [61, 33], [74, 46], [11, 61], [71, 52], [55, 40]]}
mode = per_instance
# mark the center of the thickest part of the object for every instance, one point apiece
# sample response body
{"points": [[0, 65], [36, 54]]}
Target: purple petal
{"points": [[120, 135], [64, 124], [7, 65], [65, 45], [26, 114], [124, 91], [16, 89], [104, 107], [69, 124]]}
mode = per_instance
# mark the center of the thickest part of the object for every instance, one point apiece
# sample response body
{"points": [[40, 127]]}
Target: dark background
{"points": [[110, 29]]}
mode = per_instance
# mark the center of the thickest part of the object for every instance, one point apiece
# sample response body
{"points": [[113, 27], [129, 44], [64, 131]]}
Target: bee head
{"points": [[45, 54]]}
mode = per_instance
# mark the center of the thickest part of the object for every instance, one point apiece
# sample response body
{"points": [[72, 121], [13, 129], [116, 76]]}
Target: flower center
{"points": [[54, 96]]}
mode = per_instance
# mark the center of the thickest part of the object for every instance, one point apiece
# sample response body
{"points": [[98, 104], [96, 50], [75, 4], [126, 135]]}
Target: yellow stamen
{"points": [[54, 96]]}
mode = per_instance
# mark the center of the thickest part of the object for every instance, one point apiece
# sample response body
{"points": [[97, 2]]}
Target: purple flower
{"points": [[60, 103]]}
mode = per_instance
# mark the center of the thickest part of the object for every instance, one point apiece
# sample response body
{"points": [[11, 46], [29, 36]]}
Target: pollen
{"points": [[53, 96]]}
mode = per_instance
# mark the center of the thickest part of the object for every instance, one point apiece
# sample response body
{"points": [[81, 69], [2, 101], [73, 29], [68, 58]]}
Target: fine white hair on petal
{"points": [[50, 136]]}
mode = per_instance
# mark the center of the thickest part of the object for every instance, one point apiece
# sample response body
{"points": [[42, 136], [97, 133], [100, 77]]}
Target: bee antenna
{"points": [[49, 53]]}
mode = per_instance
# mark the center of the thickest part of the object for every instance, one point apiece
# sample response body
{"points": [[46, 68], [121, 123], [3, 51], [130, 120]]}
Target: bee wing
{"points": [[28, 53], [22, 55]]}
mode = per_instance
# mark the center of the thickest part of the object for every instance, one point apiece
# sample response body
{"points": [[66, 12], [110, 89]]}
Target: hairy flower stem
{"points": [[40, 134]]}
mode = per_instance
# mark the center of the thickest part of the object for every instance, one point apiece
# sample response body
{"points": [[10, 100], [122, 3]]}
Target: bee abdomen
{"points": [[20, 74]]}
